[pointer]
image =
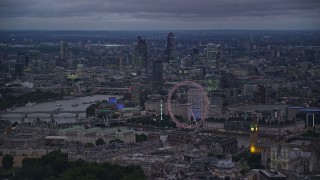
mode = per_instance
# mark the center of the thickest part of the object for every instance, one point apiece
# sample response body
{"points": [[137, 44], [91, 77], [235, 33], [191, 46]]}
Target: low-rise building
{"points": [[219, 144], [224, 168], [286, 158], [265, 174], [79, 133]]}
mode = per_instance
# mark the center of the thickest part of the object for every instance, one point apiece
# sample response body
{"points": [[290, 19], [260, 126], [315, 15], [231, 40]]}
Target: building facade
{"points": [[157, 75], [140, 54], [169, 51]]}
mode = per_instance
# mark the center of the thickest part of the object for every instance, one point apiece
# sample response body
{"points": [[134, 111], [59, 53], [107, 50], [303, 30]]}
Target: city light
{"points": [[252, 149], [226, 104]]}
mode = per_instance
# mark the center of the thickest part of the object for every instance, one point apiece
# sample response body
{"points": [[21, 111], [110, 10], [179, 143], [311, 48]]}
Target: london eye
{"points": [[187, 104]]}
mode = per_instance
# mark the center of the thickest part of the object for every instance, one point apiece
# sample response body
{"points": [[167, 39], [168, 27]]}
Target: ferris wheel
{"points": [[188, 104]]}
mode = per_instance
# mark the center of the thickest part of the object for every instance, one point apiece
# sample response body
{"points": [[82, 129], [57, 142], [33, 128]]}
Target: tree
{"points": [[15, 124], [141, 137], [7, 162], [90, 111], [254, 161], [116, 141], [100, 141], [55, 165], [88, 145]]}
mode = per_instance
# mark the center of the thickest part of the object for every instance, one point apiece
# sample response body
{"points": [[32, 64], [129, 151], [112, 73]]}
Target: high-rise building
{"points": [[213, 55], [140, 55], [120, 62], [23, 59], [21, 62], [169, 55], [195, 56], [157, 75], [63, 49], [135, 92]]}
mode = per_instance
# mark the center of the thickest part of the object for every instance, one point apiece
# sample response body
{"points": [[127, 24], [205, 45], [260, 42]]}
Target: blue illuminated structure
{"points": [[112, 100], [120, 106]]}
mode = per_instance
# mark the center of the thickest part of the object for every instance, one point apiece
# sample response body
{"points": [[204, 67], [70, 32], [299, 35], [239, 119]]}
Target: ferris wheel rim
{"points": [[205, 100]]}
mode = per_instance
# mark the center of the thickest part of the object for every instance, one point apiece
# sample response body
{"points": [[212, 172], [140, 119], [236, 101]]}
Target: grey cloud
{"points": [[195, 8], [179, 10]]}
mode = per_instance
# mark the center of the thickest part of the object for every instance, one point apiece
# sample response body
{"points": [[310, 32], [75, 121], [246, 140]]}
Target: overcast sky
{"points": [[159, 14]]}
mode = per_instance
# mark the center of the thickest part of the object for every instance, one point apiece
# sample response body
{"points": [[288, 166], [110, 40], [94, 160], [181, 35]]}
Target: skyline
{"points": [[160, 15]]}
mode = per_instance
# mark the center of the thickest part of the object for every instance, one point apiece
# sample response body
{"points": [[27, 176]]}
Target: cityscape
{"points": [[139, 103]]}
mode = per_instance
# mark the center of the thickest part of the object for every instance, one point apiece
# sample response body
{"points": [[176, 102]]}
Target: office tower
{"points": [[157, 75], [213, 55], [63, 49], [80, 70], [195, 56], [135, 92], [23, 59], [21, 62], [140, 55], [169, 51]]}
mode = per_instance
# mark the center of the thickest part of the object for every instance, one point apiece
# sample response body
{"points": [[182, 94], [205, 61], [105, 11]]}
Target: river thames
{"points": [[75, 104]]}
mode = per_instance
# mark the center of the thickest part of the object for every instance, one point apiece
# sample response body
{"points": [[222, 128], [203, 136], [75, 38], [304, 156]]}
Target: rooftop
{"points": [[72, 128], [272, 173]]}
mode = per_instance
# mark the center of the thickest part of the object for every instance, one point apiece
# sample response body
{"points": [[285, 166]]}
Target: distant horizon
{"points": [[160, 29]]}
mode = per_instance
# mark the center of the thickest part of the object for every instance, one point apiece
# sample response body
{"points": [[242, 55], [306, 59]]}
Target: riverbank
{"points": [[42, 110]]}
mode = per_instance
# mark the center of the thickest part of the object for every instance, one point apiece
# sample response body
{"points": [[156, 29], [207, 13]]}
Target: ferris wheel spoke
{"points": [[198, 110]]}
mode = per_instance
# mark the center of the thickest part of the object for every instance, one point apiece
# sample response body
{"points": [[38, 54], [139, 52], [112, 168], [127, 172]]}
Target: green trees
{"points": [[103, 171], [141, 137], [254, 161], [90, 111], [7, 162], [55, 165], [311, 133], [116, 141], [100, 141], [154, 121], [105, 110], [88, 145]]}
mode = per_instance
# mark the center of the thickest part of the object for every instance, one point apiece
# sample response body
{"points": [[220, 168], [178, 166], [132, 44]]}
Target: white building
{"points": [[79, 133]]}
